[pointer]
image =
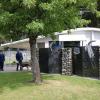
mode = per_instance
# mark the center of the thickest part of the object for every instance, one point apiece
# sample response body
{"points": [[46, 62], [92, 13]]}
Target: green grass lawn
{"points": [[15, 86]]}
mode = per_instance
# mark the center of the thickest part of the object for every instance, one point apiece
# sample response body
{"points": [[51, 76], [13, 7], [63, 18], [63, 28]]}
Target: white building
{"points": [[82, 36]]}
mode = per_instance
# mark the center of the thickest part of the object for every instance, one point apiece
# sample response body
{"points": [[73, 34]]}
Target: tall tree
{"points": [[2, 39], [41, 17]]}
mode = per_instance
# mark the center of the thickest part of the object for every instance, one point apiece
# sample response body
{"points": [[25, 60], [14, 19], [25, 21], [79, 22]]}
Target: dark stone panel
{"points": [[43, 59], [77, 61], [90, 65], [54, 62]]}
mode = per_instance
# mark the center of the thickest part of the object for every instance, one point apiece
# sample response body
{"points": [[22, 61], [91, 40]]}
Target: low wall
{"points": [[61, 61]]}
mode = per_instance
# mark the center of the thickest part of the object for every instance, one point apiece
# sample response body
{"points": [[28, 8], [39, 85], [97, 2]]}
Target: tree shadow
{"points": [[15, 80], [49, 76]]}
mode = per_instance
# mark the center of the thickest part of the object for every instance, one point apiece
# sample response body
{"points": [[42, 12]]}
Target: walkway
{"points": [[12, 68]]}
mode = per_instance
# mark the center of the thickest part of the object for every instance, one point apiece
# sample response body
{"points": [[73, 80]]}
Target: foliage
{"points": [[3, 39], [36, 17]]}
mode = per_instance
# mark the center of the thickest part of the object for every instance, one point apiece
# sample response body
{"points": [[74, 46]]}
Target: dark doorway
{"points": [[71, 44], [43, 60], [77, 60]]}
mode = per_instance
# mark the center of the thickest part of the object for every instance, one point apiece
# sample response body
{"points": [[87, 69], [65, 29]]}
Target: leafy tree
{"points": [[41, 17], [2, 39]]}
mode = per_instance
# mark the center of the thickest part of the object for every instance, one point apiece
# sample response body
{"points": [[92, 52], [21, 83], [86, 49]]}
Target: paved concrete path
{"points": [[12, 68]]}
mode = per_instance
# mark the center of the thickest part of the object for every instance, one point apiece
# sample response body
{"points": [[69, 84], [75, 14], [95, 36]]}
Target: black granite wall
{"points": [[43, 59], [90, 65], [54, 62], [61, 61]]}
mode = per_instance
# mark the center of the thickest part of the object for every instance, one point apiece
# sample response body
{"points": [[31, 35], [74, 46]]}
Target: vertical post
{"points": [[99, 63], [67, 61]]}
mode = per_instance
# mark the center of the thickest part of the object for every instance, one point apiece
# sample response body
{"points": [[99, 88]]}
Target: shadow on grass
{"points": [[14, 80], [51, 76]]}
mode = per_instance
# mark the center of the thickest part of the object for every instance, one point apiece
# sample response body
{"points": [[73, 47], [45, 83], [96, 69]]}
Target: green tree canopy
{"points": [[41, 17]]}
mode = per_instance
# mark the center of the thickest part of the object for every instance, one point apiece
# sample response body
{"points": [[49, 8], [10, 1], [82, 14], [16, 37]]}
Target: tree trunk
{"points": [[34, 62]]}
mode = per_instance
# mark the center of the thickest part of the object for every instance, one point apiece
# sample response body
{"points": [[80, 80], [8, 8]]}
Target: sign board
{"points": [[76, 50]]}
